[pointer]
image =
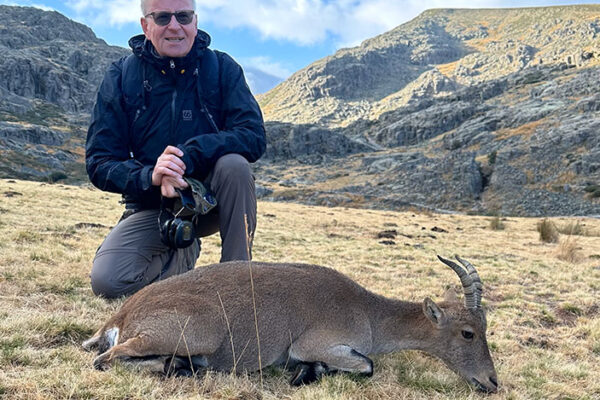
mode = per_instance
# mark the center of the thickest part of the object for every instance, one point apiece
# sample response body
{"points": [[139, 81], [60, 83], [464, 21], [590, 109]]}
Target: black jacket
{"points": [[146, 102]]}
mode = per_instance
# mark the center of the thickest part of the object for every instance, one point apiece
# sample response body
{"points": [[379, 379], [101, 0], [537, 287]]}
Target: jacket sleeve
{"points": [[108, 160], [243, 130]]}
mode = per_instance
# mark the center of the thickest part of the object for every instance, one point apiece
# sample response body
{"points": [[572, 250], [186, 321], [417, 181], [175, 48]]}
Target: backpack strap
{"points": [[132, 84], [208, 85]]}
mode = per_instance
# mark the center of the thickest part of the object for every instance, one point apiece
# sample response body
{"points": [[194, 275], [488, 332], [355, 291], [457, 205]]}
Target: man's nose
{"points": [[173, 24]]}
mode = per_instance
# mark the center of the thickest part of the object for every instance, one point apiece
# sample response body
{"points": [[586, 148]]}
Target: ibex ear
{"points": [[450, 296], [433, 312]]}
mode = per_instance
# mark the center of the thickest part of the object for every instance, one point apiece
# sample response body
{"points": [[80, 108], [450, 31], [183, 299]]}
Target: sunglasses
{"points": [[163, 18]]}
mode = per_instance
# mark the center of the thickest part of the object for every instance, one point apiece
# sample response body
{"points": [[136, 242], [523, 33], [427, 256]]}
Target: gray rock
{"points": [[308, 143], [49, 57], [31, 134], [262, 191]]}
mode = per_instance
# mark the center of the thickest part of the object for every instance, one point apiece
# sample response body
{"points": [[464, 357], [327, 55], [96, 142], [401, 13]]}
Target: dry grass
{"points": [[577, 228], [496, 224], [544, 313], [548, 231], [525, 131], [568, 250], [447, 69]]}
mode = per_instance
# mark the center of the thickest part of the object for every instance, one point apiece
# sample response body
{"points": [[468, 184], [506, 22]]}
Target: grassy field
{"points": [[542, 298]]}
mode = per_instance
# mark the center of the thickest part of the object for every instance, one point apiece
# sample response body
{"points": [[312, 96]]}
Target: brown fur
{"points": [[306, 314]]}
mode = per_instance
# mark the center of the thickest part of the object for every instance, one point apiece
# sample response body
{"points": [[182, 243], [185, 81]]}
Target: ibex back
{"points": [[310, 318]]}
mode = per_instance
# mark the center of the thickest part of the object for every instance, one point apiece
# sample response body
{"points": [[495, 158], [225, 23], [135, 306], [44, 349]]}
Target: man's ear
{"points": [[144, 24], [433, 312], [450, 296]]}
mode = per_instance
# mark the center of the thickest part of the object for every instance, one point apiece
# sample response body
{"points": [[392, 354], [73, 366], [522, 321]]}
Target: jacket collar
{"points": [[144, 49]]}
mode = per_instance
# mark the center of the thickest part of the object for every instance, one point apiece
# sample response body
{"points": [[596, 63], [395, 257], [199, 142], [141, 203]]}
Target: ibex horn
{"points": [[466, 280], [475, 277]]}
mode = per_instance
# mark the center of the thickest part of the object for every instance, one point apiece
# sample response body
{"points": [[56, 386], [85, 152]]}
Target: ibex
{"points": [[310, 318]]}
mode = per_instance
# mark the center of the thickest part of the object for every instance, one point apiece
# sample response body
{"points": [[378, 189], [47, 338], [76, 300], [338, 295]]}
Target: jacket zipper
{"points": [[173, 100]]}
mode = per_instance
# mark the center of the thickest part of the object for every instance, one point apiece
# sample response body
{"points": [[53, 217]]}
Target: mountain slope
{"points": [[435, 54], [487, 111], [484, 111], [51, 68]]}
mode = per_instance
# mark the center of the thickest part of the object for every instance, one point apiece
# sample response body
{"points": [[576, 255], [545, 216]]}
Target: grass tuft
{"points": [[58, 332], [573, 228], [572, 309], [69, 286], [547, 230], [12, 352], [418, 376], [496, 224], [568, 250], [23, 237]]}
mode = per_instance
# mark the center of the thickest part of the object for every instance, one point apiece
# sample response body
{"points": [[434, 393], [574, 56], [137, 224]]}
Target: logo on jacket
{"points": [[187, 115]]}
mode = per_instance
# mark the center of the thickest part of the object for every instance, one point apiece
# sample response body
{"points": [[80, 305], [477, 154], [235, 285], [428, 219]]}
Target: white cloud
{"points": [[302, 22], [348, 22], [21, 3], [115, 12]]}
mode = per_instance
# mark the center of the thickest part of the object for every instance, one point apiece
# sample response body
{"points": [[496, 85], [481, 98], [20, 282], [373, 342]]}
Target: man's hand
{"points": [[168, 171], [168, 186]]}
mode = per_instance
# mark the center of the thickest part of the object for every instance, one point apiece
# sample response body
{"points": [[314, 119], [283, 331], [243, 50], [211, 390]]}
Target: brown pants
{"points": [[133, 255]]}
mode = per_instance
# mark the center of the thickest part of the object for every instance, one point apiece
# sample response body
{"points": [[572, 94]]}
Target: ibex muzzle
{"points": [[310, 318]]}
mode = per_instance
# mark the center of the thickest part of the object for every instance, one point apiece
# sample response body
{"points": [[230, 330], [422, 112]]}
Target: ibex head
{"points": [[460, 331]]}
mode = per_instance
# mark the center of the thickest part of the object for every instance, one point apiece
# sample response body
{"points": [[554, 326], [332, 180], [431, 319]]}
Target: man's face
{"points": [[174, 39]]}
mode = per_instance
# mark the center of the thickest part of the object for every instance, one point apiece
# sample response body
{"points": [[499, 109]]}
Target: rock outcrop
{"points": [[438, 52], [49, 57], [51, 68], [490, 111]]}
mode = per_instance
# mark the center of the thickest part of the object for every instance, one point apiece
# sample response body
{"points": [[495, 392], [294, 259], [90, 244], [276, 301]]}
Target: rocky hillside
{"points": [[433, 55], [486, 111], [51, 67], [483, 111]]}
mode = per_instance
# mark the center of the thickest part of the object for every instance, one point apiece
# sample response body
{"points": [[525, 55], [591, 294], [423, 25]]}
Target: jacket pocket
{"points": [[134, 109]]}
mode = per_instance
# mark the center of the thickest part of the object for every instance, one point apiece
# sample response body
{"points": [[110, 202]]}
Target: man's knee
{"points": [[107, 277], [102, 285], [233, 167]]}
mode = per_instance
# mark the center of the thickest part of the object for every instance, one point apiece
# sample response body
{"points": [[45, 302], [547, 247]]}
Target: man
{"points": [[172, 110]]}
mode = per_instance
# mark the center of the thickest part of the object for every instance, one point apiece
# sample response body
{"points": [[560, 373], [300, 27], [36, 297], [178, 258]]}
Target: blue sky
{"points": [[277, 37]]}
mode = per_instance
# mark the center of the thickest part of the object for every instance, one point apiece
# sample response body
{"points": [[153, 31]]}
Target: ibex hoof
{"points": [[101, 363], [307, 373]]}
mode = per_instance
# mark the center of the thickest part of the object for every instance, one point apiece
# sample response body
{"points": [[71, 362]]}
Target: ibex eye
{"points": [[467, 335]]}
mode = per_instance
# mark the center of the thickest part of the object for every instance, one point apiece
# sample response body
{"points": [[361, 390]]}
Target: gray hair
{"points": [[144, 6]]}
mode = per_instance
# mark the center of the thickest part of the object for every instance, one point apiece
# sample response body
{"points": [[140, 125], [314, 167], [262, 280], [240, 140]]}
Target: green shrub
{"points": [[56, 176], [593, 190]]}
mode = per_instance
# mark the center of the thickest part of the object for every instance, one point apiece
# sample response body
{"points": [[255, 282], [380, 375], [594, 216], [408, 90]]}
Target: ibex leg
{"points": [[131, 348], [337, 357]]}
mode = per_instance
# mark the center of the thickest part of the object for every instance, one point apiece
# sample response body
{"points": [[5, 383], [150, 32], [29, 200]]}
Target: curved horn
{"points": [[465, 279], [477, 284]]}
